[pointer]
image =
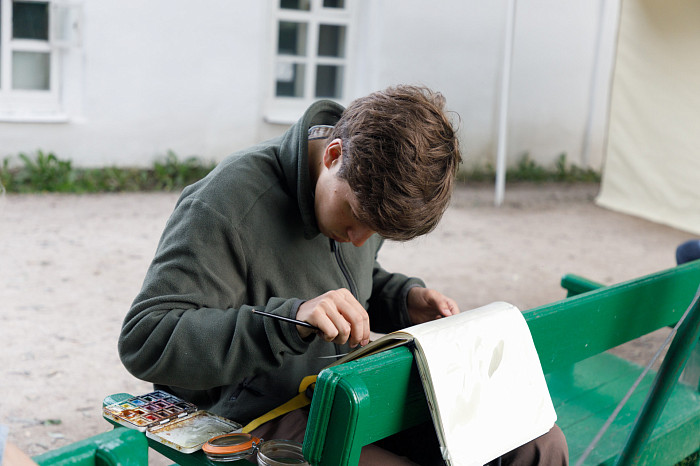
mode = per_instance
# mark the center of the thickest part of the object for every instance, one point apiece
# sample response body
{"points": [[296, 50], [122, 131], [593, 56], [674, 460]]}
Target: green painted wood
{"points": [[590, 374], [374, 397], [576, 399], [117, 447], [576, 328], [585, 396], [576, 284], [350, 408], [197, 458], [671, 368]]}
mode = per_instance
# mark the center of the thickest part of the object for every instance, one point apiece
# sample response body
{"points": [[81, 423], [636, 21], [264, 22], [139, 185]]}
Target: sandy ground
{"points": [[70, 266]]}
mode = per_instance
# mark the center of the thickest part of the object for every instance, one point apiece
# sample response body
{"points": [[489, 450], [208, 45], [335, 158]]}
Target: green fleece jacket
{"points": [[246, 237]]}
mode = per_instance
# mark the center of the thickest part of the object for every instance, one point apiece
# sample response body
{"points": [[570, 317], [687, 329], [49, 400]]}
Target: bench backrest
{"points": [[576, 328]]}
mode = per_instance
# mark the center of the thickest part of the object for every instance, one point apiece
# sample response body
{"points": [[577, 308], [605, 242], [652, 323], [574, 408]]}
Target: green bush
{"points": [[44, 172], [527, 169], [172, 173], [47, 173]]}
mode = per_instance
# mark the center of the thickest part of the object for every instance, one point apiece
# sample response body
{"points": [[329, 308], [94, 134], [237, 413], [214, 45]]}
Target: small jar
{"points": [[231, 447], [280, 452]]}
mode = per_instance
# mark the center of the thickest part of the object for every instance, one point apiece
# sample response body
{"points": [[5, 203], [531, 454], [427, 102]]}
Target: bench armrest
{"points": [[120, 446], [575, 284]]}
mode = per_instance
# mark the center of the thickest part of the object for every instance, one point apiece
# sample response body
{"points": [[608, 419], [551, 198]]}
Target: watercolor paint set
{"points": [[169, 420]]}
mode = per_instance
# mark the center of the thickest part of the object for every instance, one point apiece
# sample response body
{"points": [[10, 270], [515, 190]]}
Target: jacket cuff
{"points": [[404, 318], [296, 342], [286, 332]]}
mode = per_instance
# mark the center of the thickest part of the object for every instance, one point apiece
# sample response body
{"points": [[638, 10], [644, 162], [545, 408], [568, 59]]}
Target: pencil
{"points": [[285, 319]]}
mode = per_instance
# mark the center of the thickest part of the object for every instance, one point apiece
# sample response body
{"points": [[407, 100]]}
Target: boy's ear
{"points": [[333, 153]]}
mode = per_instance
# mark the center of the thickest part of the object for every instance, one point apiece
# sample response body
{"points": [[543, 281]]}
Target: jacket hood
{"points": [[294, 158]]}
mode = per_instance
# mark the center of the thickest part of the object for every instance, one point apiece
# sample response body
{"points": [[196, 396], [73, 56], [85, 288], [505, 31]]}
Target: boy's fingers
{"points": [[338, 315]]}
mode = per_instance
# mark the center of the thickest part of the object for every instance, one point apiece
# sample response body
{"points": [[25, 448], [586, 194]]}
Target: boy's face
{"points": [[336, 205]]}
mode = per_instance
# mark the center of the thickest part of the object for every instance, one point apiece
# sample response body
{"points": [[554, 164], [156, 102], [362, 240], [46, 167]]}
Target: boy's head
{"points": [[400, 156]]}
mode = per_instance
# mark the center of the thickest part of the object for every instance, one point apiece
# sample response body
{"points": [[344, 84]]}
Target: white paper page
{"points": [[488, 383]]}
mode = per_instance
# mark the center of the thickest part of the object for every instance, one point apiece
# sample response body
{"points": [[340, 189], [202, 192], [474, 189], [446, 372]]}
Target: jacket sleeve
{"points": [[387, 305], [188, 327]]}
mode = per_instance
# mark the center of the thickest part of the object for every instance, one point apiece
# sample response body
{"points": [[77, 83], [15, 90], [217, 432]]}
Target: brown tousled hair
{"points": [[400, 157]]}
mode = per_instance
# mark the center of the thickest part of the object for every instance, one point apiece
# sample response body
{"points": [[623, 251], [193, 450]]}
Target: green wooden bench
{"points": [[363, 401], [360, 402]]}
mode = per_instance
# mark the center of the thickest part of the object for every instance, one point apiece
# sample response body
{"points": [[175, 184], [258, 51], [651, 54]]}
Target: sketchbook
{"points": [[482, 378]]}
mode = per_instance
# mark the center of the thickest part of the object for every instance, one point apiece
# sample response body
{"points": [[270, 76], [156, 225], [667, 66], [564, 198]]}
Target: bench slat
{"points": [[576, 328], [583, 410]]}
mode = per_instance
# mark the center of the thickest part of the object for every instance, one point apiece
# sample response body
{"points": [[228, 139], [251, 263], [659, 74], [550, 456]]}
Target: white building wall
{"points": [[194, 76], [457, 47], [454, 47], [553, 66], [156, 77]]}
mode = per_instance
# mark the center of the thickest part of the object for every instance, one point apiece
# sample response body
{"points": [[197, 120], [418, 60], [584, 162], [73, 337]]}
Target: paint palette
{"points": [[169, 420], [155, 408]]}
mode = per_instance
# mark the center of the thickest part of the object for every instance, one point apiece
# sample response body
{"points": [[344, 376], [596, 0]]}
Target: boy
{"points": [[292, 226]]}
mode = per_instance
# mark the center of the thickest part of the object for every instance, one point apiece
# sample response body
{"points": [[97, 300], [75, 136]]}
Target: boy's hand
{"points": [[424, 305], [339, 317]]}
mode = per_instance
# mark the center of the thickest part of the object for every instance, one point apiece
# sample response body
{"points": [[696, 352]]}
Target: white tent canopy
{"points": [[652, 167]]}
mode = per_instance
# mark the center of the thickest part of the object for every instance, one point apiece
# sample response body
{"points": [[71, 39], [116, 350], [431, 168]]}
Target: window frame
{"points": [[285, 109], [28, 104]]}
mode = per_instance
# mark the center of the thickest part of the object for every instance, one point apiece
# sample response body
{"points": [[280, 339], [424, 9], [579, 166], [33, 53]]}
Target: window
{"points": [[310, 55], [31, 33]]}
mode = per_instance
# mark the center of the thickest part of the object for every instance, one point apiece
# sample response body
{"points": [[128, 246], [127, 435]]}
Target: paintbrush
{"points": [[285, 319], [297, 322]]}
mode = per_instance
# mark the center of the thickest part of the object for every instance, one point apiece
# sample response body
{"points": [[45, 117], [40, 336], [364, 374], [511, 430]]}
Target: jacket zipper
{"points": [[343, 268]]}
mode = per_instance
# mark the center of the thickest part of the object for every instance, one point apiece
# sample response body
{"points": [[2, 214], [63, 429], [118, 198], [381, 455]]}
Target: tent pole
{"points": [[585, 146], [503, 111]]}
